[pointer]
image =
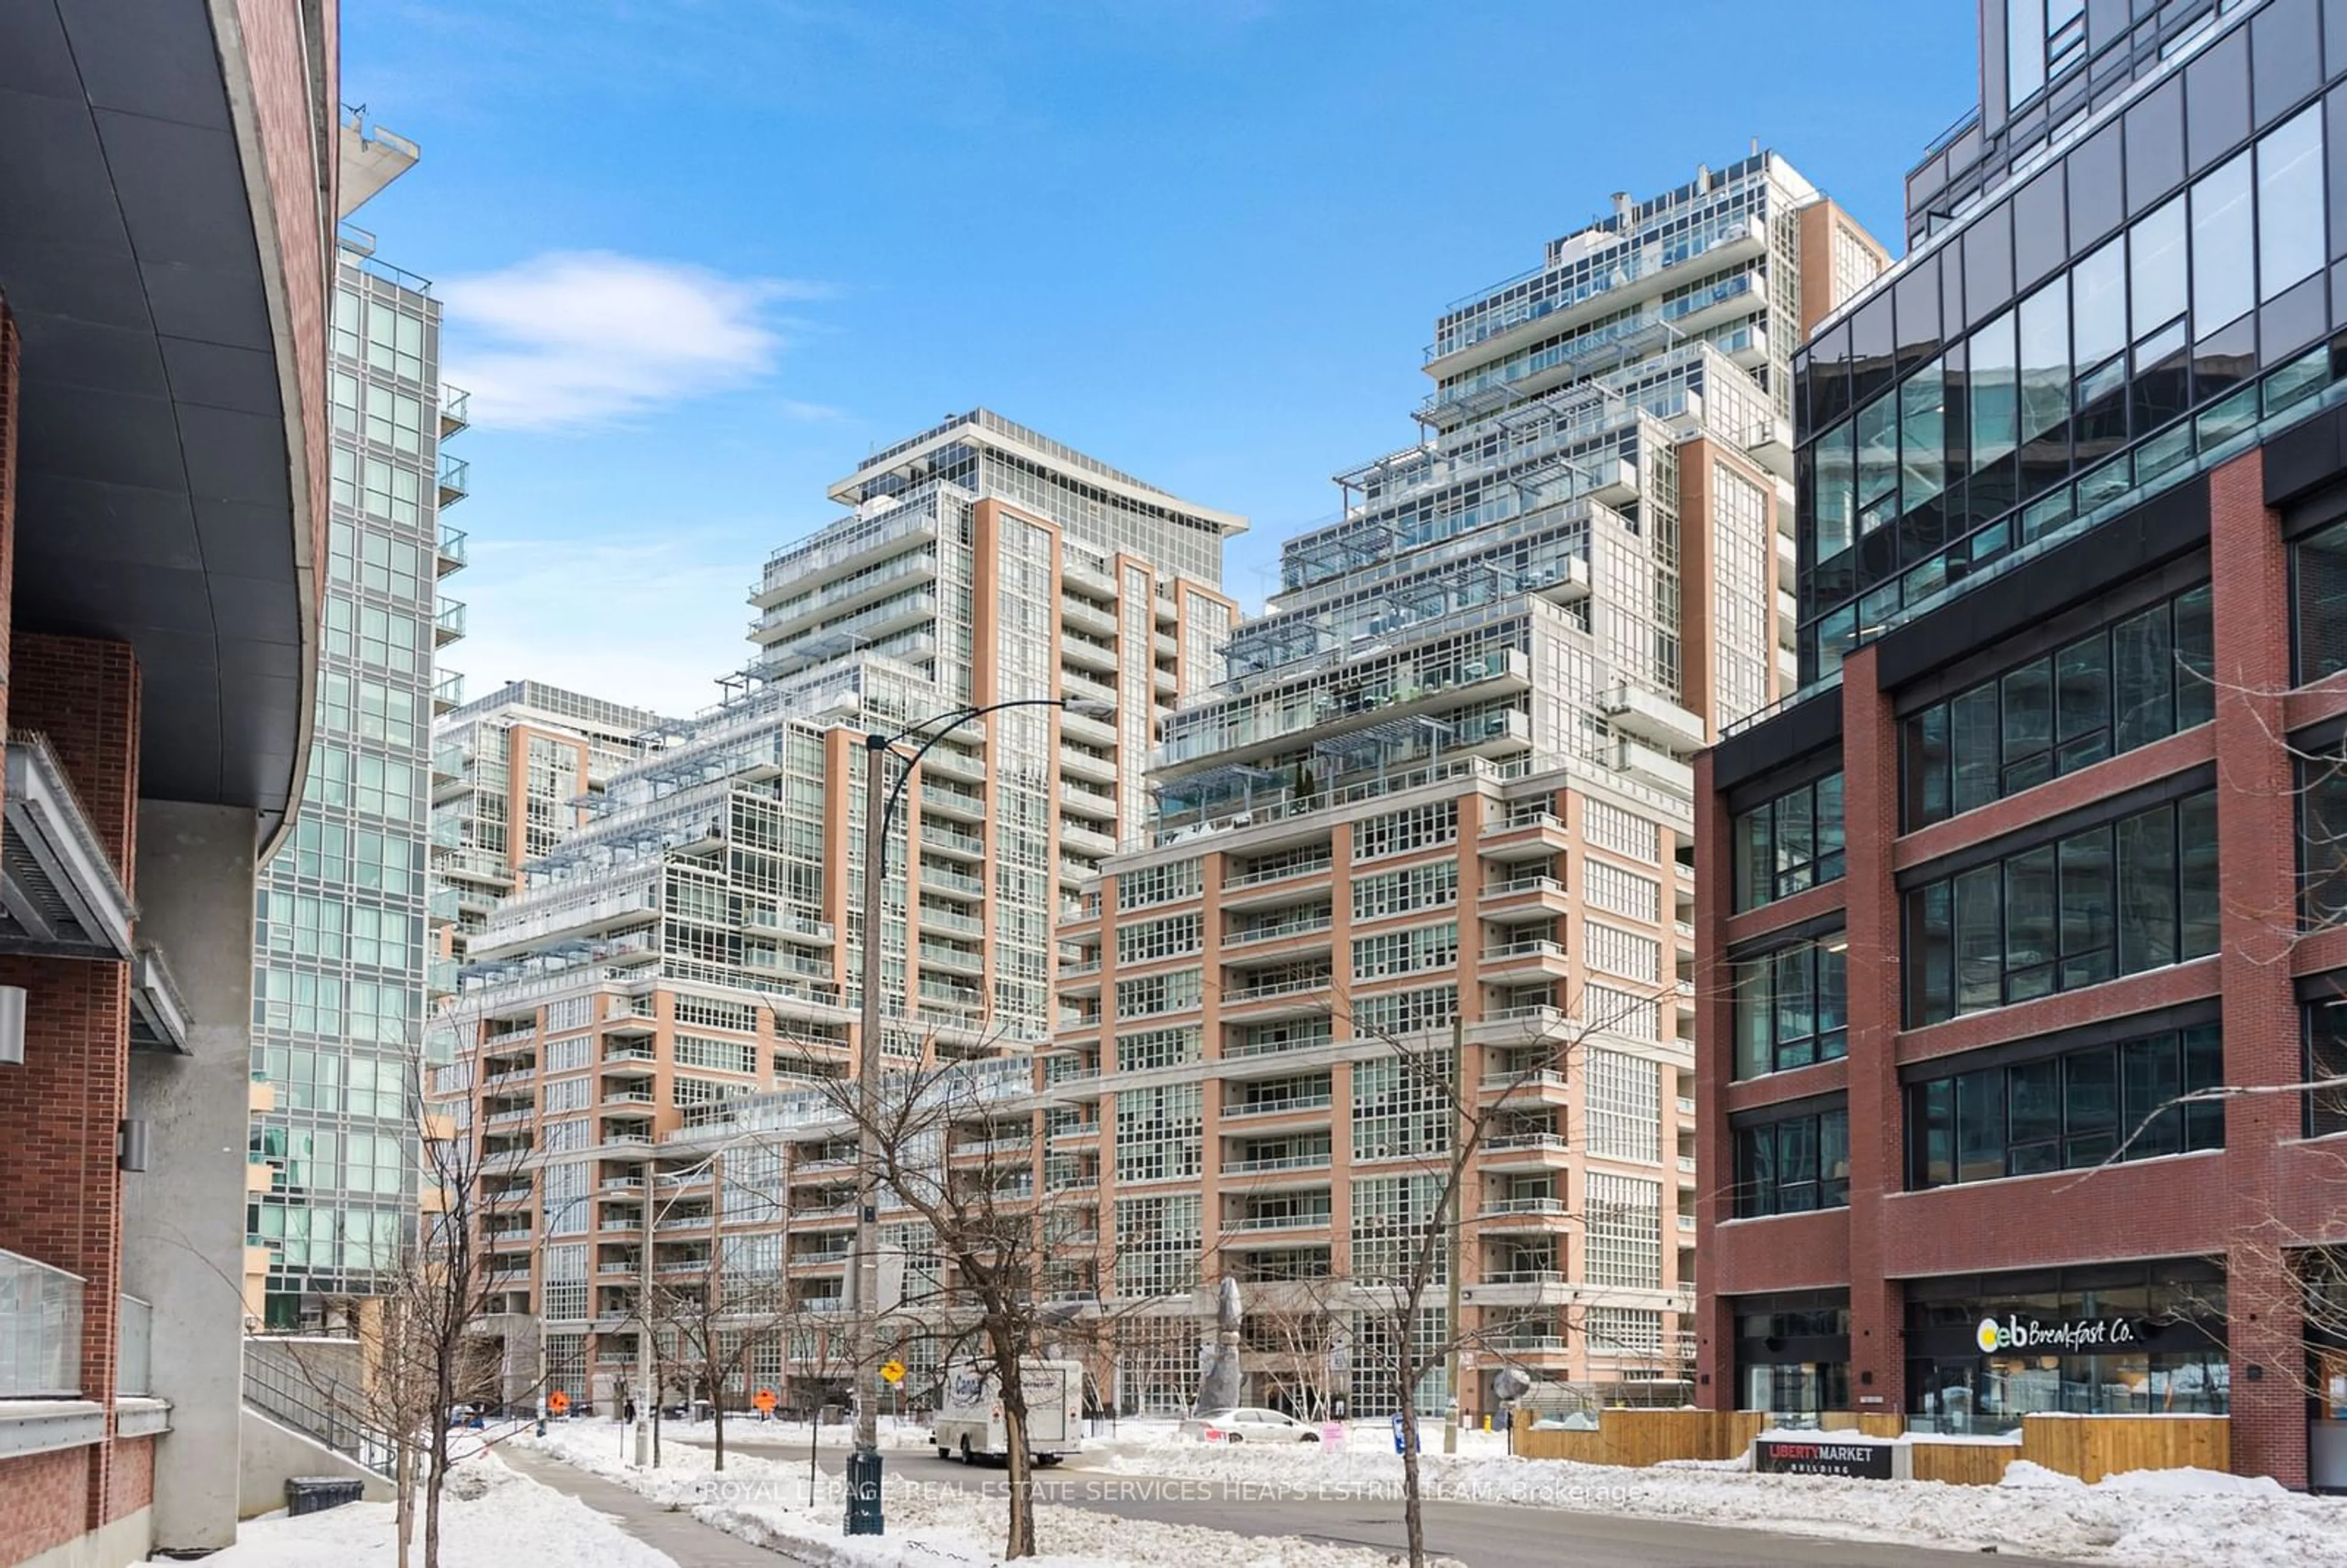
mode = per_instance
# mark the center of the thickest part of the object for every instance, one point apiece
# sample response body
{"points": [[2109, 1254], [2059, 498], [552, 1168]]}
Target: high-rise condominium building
{"points": [[2050, 836], [513, 773], [1443, 785], [339, 936], [695, 939]]}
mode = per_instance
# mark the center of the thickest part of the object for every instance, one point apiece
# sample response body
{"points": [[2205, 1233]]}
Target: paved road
{"points": [[684, 1537], [1483, 1535]]}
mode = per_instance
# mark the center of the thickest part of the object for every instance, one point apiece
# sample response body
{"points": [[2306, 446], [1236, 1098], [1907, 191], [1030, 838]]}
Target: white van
{"points": [[969, 1412]]}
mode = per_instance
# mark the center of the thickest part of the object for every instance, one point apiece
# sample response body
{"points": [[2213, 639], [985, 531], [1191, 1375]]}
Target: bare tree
{"points": [[722, 1319], [957, 1150], [1403, 1258]]}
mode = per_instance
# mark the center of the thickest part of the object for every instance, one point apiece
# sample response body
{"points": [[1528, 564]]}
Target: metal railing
{"points": [[318, 1409], [40, 1329]]}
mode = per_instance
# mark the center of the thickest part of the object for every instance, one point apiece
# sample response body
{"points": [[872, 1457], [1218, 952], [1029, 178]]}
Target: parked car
{"points": [[1249, 1425]]}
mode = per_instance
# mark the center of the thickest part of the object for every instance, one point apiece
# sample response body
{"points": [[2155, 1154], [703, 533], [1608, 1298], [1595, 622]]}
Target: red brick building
{"points": [[167, 200], [2046, 844]]}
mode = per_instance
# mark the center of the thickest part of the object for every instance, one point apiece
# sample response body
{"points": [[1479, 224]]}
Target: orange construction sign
{"points": [[557, 1403], [765, 1400]]}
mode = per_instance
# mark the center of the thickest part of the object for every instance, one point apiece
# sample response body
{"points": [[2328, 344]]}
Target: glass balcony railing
{"points": [[448, 623], [40, 1331], [134, 1359], [453, 471]]}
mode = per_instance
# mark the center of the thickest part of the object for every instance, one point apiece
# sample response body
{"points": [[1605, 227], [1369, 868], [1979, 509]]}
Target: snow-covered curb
{"points": [[766, 1501], [2164, 1519], [490, 1518]]}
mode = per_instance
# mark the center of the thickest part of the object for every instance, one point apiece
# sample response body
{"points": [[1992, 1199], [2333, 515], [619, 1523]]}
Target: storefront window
{"points": [[1792, 1353], [2117, 1339]]}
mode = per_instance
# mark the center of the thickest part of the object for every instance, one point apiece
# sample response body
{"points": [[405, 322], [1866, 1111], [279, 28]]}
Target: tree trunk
{"points": [[443, 1386], [717, 1414], [1010, 1373], [1413, 1508], [402, 1511], [657, 1391]]}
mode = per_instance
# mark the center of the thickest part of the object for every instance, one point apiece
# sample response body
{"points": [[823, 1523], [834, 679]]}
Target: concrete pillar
{"points": [[183, 1223]]}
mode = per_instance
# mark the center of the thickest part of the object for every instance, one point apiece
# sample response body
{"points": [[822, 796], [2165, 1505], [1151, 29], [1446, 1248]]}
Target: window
{"points": [[2322, 841], [1793, 1165], [1624, 1099], [2319, 573], [1619, 892], [1151, 1048], [1399, 892], [1611, 950], [1402, 1108], [1625, 1230], [1148, 940], [1159, 993], [2124, 685], [1161, 883], [1406, 952], [721, 1055], [2114, 899], [2224, 244], [1399, 831], [1792, 1008], [2069, 1111], [2326, 1059], [1623, 833], [1790, 844], [1389, 1013], [2290, 203]]}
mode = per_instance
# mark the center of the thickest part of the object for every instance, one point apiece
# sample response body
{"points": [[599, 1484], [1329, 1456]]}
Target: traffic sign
{"points": [[894, 1371], [557, 1403], [764, 1401]]}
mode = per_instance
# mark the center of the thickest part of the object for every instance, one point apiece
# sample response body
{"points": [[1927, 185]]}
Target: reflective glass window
{"points": [[2290, 203], [2044, 359], [1922, 436], [2098, 304], [2155, 145], [2217, 99], [2224, 246], [1995, 392], [2155, 265]]}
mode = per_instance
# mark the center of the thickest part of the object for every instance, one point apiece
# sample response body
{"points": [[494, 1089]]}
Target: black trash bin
{"points": [[317, 1493]]}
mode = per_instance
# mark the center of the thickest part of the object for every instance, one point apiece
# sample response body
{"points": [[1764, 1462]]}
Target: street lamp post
{"points": [[880, 802]]}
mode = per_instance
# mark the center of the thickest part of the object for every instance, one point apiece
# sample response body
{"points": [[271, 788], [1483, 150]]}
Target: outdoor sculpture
{"points": [[1220, 1385]]}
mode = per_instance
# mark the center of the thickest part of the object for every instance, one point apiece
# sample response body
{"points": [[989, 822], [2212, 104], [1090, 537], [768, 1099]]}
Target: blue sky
{"points": [[699, 256]]}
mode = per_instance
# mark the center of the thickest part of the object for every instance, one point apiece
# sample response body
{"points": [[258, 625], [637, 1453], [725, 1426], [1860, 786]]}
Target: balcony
{"points": [[946, 840], [1276, 1163], [1535, 1214], [1311, 925], [456, 411], [1546, 825], [449, 554], [1526, 956], [1532, 1084], [1543, 891], [452, 473], [1524, 1151], [63, 898], [1290, 1220], [448, 622], [1275, 990]]}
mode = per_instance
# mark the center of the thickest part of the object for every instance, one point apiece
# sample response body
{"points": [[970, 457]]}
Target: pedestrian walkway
{"points": [[685, 1539]]}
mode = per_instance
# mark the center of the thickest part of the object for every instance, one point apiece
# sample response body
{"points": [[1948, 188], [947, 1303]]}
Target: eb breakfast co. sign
{"points": [[1821, 1456], [2072, 1337]]}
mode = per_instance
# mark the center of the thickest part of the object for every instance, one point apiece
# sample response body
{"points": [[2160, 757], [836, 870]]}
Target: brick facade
{"points": [[43, 1501], [2216, 1203]]}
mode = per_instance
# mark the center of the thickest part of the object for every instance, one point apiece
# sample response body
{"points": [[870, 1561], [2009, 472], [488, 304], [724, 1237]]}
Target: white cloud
{"points": [[650, 623], [572, 339]]}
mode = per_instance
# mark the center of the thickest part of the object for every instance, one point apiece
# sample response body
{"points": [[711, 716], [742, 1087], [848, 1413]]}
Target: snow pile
{"points": [[896, 1432], [2170, 1519], [766, 1501], [508, 1519]]}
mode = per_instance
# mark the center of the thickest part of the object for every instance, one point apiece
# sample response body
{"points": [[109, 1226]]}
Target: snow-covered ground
{"points": [[490, 1518], [2151, 1519], [767, 1500]]}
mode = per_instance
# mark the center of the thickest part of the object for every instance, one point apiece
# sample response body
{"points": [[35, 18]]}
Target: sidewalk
{"points": [[690, 1543]]}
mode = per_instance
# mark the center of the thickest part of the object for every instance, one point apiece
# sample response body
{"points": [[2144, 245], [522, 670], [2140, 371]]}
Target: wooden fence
{"points": [[2092, 1447], [2088, 1447]]}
